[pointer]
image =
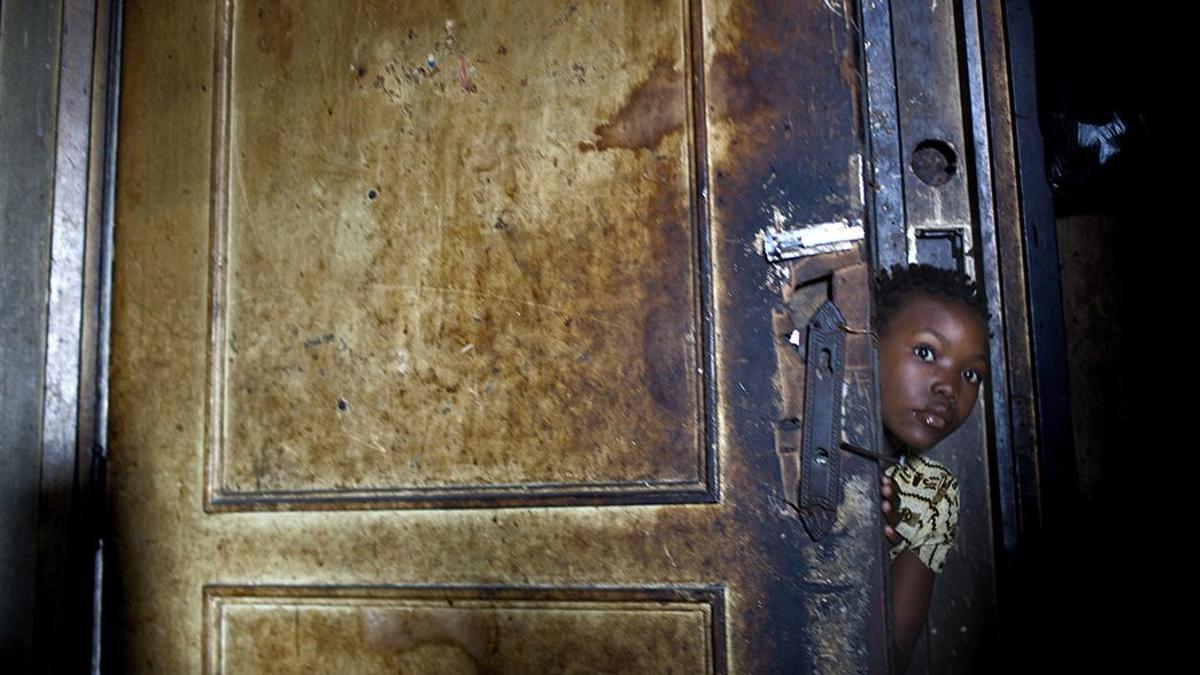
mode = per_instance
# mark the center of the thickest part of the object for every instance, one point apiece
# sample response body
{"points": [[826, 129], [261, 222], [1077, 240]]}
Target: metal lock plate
{"points": [[820, 462]]}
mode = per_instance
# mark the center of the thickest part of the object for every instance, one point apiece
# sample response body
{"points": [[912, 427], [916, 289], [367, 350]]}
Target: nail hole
{"points": [[371, 194]]}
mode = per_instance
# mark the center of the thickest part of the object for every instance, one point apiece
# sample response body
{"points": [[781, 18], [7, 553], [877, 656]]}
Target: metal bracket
{"points": [[820, 461], [945, 244], [780, 244]]}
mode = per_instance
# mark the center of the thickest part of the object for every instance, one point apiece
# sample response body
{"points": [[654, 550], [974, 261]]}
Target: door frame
{"points": [[67, 77]]}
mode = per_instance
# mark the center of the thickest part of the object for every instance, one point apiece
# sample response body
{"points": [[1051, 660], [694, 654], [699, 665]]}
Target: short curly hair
{"points": [[894, 285]]}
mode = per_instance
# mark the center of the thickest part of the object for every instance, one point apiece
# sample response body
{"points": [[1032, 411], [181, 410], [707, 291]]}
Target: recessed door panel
{"points": [[437, 277], [457, 630]]}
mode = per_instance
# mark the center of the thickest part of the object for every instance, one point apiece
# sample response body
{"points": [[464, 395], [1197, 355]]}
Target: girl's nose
{"points": [[946, 385]]}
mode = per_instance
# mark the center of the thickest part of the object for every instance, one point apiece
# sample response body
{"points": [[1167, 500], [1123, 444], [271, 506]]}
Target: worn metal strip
{"points": [[989, 280], [29, 52], [886, 166], [108, 63], [62, 618], [991, 108], [65, 310], [936, 195]]}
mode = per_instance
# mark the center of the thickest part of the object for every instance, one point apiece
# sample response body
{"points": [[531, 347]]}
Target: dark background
{"points": [[1091, 590]]}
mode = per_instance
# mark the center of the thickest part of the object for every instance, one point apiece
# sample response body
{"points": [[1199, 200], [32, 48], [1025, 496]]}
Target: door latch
{"points": [[780, 244]]}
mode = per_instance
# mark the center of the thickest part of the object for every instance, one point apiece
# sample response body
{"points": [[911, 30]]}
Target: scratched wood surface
{"points": [[392, 279]]}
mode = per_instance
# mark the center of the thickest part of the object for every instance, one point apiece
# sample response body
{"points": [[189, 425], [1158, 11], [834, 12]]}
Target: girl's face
{"points": [[932, 360]]}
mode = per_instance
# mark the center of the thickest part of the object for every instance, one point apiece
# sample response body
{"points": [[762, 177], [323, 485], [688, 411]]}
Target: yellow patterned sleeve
{"points": [[928, 510]]}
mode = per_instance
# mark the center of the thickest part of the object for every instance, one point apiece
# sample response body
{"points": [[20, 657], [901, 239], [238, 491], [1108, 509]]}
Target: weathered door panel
{"points": [[394, 279]]}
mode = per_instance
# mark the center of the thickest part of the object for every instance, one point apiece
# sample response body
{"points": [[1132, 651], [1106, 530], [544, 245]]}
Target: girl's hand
{"points": [[890, 505]]}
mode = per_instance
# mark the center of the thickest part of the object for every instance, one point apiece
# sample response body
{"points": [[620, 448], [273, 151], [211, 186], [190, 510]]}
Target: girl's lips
{"points": [[931, 419]]}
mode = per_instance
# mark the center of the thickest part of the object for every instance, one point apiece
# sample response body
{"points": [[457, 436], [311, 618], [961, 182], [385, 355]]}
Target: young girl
{"points": [[932, 327]]}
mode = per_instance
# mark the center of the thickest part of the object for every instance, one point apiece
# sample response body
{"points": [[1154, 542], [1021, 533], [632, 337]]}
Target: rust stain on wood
{"points": [[655, 108]]}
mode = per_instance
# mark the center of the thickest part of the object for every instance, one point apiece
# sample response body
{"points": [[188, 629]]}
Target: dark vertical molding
{"points": [[1054, 486], [30, 31], [1012, 389]]}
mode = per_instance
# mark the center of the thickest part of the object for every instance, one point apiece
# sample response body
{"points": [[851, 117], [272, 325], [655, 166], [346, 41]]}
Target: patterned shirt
{"points": [[928, 509]]}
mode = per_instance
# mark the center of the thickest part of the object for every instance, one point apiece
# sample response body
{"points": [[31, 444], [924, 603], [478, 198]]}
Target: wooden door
{"points": [[443, 340]]}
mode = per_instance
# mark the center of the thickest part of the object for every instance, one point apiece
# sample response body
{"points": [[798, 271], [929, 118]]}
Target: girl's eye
{"points": [[971, 375], [924, 353]]}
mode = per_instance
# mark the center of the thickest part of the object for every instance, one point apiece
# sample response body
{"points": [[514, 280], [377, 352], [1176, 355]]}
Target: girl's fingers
{"points": [[888, 491]]}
